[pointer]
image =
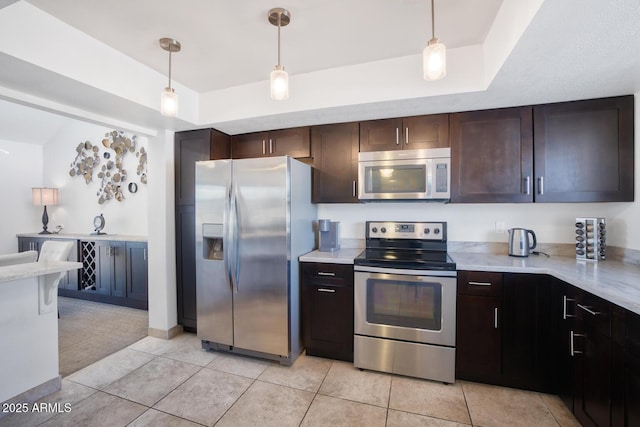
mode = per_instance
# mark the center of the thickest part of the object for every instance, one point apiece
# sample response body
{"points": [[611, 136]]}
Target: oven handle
{"points": [[436, 273]]}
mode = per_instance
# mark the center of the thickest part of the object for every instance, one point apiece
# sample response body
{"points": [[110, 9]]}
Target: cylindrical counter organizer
{"points": [[591, 239]]}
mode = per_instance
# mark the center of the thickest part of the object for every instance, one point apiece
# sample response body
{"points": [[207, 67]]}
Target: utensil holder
{"points": [[591, 239]]}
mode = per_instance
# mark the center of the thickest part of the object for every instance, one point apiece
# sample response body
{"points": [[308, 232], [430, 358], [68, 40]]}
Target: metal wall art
{"points": [[112, 173]]}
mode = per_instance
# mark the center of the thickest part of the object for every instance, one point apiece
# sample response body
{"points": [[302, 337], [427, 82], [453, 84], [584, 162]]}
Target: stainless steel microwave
{"points": [[405, 175]]}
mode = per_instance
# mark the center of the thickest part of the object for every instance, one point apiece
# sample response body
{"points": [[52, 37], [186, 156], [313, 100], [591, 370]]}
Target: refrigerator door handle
{"points": [[228, 239], [235, 239]]}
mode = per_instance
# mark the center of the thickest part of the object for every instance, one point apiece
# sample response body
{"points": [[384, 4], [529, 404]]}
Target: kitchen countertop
{"points": [[343, 256], [31, 269], [615, 281], [113, 237]]}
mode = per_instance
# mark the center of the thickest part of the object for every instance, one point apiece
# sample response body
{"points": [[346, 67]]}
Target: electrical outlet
{"points": [[500, 227]]}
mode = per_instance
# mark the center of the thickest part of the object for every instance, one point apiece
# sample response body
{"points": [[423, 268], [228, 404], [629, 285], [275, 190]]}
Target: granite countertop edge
{"points": [[88, 237], [614, 281], [33, 269]]}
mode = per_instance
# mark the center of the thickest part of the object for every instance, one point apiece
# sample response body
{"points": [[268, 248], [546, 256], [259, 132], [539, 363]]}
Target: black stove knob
{"points": [[427, 231], [436, 230], [374, 230], [383, 230]]}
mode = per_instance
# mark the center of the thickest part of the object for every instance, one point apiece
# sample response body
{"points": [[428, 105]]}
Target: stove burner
{"points": [[408, 246]]}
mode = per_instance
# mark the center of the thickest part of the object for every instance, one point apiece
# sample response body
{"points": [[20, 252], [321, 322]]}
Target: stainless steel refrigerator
{"points": [[254, 217]]}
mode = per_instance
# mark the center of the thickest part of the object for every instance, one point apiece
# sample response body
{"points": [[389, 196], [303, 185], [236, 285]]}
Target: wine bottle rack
{"points": [[88, 253], [591, 239]]}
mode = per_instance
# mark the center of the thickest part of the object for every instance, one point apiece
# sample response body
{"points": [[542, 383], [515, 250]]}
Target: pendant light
{"points": [[434, 56], [279, 77], [168, 97]]}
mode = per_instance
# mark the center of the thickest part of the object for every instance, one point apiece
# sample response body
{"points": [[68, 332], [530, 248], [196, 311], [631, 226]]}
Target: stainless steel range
{"points": [[405, 301]]}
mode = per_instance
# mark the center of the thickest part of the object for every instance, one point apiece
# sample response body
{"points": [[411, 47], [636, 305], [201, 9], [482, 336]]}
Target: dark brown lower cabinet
{"points": [[327, 309], [478, 326], [505, 330], [186, 267]]}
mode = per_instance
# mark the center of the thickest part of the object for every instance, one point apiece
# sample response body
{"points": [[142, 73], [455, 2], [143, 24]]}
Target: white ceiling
{"points": [[572, 49], [228, 43]]}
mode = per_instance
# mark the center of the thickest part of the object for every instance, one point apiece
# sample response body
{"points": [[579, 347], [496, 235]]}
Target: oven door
{"points": [[408, 305]]}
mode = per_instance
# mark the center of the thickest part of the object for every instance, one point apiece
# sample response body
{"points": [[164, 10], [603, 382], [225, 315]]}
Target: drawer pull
{"points": [[572, 336], [588, 310], [480, 283], [331, 291], [323, 273], [564, 307]]}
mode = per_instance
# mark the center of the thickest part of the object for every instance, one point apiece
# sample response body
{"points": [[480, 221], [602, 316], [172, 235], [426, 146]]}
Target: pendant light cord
{"points": [[169, 68], [279, 18], [433, 22]]}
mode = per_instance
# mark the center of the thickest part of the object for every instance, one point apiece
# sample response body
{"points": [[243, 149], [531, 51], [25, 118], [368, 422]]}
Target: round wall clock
{"points": [[98, 223]]}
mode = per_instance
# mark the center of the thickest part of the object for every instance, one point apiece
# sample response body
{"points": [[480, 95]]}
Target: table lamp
{"points": [[43, 196]]}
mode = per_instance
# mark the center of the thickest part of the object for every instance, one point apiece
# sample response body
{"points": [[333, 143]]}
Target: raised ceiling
{"points": [[228, 43], [350, 60]]}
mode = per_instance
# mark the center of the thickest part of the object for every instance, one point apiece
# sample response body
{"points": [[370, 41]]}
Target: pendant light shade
{"points": [[279, 77], [168, 102], [168, 97], [434, 56], [279, 84]]}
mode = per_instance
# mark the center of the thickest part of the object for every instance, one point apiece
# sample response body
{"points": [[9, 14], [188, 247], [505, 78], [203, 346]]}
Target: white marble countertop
{"points": [[614, 281], [118, 237], [342, 256], [31, 269]]}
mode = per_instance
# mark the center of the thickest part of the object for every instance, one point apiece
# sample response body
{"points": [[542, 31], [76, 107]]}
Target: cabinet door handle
{"points": [[406, 135], [144, 254], [270, 146], [480, 283], [354, 188], [527, 185], [495, 318], [330, 291], [588, 310], [323, 273], [397, 136], [264, 146], [565, 316], [541, 185], [571, 337]]}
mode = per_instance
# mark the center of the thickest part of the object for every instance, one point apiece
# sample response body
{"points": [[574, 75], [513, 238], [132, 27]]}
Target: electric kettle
{"points": [[519, 244]]}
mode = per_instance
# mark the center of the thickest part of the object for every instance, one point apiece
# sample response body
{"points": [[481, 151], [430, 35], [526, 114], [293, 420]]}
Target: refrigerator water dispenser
{"points": [[213, 243]]}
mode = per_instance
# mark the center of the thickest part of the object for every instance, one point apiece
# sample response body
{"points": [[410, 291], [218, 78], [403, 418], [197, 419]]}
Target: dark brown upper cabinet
{"points": [[584, 150], [294, 142], [408, 133], [335, 163], [492, 156]]}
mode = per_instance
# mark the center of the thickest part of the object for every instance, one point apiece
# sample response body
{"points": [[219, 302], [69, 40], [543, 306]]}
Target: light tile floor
{"points": [[156, 382]]}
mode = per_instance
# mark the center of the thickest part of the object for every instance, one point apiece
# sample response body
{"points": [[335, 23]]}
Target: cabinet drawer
{"points": [[481, 283], [337, 274]]}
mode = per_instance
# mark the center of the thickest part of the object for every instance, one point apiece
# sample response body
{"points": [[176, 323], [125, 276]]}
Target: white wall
{"points": [[553, 223], [78, 202], [20, 169]]}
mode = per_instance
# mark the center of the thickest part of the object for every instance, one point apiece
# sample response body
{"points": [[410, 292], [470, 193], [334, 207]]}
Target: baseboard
{"points": [[36, 393], [164, 334]]}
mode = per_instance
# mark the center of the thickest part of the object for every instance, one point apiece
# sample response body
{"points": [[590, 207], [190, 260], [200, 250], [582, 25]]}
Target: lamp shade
{"points": [[279, 84], [168, 102], [434, 60], [43, 196]]}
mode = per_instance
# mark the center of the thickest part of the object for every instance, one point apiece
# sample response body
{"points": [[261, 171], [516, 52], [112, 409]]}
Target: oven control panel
{"points": [[407, 230]]}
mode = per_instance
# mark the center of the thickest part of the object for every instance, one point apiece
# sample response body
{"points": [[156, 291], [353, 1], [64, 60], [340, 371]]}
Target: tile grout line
{"points": [[317, 392]]}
